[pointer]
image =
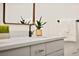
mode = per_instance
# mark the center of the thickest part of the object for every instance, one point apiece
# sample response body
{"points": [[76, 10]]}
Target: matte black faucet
{"points": [[30, 32]]}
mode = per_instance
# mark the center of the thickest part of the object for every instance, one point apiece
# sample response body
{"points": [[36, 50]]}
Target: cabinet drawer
{"points": [[24, 51], [57, 53], [54, 46], [38, 50]]}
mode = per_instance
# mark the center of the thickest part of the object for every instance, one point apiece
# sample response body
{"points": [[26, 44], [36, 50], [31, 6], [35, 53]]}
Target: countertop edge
{"points": [[19, 45]]}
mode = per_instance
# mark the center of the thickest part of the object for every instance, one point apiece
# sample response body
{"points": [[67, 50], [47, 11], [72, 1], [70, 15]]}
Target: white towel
{"points": [[4, 36], [69, 29]]}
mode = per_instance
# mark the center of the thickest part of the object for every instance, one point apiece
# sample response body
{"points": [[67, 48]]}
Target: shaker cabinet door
{"points": [[54, 46], [24, 51]]}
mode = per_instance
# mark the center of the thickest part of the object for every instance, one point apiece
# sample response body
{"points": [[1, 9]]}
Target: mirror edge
{"points": [[33, 20]]}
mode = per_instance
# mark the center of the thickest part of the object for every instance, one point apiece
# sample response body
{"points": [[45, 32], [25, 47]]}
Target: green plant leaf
{"points": [[29, 22], [39, 23], [22, 18], [44, 23], [40, 19]]}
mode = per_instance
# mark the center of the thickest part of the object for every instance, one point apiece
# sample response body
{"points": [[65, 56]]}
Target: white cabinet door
{"points": [[53, 47], [38, 50], [24, 51]]}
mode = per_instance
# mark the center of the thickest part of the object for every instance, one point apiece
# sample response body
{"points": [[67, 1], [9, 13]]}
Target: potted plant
{"points": [[23, 21], [39, 24]]}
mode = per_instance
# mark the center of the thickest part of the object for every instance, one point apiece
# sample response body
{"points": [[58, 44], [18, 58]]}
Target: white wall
{"points": [[54, 11], [51, 13]]}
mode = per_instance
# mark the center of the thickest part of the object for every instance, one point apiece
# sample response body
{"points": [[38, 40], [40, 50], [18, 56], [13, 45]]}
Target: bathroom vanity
{"points": [[32, 46]]}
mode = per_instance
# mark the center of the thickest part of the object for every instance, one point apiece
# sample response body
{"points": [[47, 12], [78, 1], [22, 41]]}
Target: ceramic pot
{"points": [[38, 32]]}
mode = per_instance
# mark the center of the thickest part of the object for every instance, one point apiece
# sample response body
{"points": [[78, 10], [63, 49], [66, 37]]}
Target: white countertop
{"points": [[16, 42]]}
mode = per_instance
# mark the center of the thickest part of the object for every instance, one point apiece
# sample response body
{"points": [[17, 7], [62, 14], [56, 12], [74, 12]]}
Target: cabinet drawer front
{"points": [[38, 50], [24, 51], [58, 53], [54, 46]]}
